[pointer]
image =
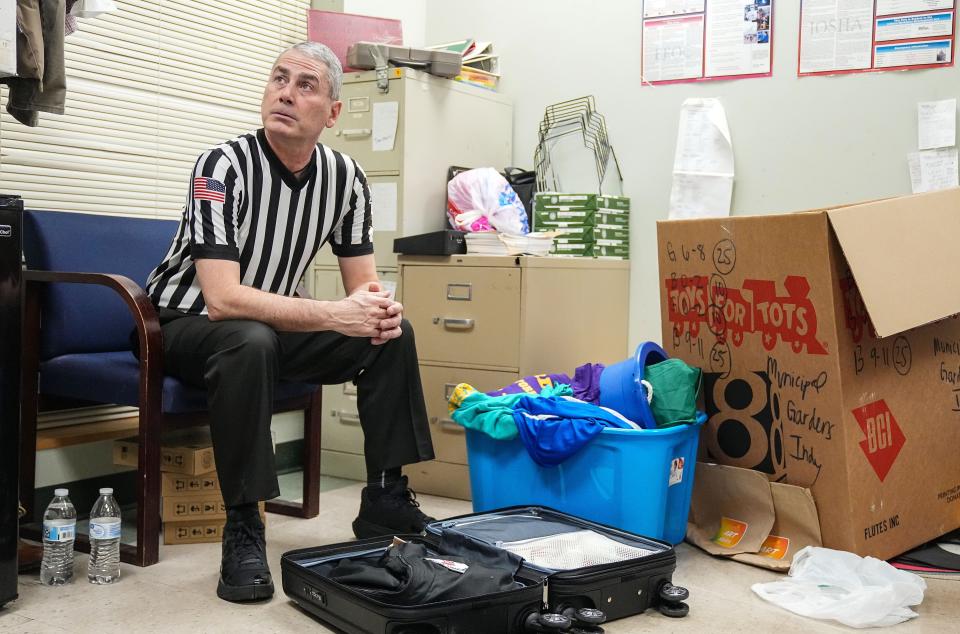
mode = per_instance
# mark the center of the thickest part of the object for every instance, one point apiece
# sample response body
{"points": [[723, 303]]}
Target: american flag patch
{"points": [[208, 189]]}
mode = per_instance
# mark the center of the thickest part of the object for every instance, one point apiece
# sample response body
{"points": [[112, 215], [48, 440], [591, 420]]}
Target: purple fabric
{"points": [[586, 382], [531, 384]]}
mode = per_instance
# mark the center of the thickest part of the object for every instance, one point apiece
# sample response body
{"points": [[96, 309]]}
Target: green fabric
{"points": [[493, 415], [676, 387]]}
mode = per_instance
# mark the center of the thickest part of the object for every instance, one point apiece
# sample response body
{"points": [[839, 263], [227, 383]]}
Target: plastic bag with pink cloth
{"points": [[481, 199]]}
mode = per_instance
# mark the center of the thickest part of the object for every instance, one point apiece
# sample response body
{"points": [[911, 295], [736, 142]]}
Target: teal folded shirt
{"points": [[493, 415]]}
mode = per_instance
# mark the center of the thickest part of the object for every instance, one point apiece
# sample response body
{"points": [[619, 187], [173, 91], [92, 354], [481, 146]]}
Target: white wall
{"points": [[799, 143], [412, 13]]}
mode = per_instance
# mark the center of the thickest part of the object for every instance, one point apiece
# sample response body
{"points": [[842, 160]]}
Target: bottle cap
{"points": [[61, 493], [106, 491]]}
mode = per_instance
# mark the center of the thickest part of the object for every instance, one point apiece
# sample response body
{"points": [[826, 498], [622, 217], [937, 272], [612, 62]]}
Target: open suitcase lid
{"points": [[553, 542]]}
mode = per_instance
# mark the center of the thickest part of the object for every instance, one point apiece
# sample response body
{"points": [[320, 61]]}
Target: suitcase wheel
{"points": [[670, 593], [547, 622], [585, 616], [674, 610]]}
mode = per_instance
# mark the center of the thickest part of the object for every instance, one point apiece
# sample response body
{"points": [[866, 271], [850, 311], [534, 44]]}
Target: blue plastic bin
{"points": [[629, 479]]}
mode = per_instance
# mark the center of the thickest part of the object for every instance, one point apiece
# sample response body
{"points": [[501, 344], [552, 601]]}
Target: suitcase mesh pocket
{"points": [[574, 550]]}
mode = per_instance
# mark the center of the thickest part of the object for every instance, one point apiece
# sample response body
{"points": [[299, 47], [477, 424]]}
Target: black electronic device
{"points": [[11, 224], [444, 242]]}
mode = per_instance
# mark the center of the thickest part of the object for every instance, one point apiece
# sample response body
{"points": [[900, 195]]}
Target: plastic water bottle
{"points": [[59, 531], [104, 566]]}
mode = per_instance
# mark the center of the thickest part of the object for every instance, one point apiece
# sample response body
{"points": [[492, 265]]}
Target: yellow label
{"points": [[775, 547], [730, 533]]}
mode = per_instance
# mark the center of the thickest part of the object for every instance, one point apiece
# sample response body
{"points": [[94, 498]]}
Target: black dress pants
{"points": [[239, 363]]}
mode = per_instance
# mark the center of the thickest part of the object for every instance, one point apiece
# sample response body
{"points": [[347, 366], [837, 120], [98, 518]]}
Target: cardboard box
{"points": [[831, 354], [184, 451], [195, 532], [182, 484], [177, 508]]}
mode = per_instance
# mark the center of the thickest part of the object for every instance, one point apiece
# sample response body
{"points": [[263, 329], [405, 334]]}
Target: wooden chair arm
{"points": [[141, 308]]}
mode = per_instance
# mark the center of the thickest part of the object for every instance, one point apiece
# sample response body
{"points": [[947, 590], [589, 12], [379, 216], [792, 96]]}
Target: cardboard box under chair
{"points": [[181, 508], [197, 531], [831, 354], [183, 484], [188, 452]]}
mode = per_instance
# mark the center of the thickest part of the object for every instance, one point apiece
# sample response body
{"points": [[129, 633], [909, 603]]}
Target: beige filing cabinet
{"points": [[434, 123], [489, 320]]}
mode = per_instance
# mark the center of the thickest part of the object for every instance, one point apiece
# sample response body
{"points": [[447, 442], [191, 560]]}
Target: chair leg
{"points": [[147, 552], [312, 421], [310, 507]]}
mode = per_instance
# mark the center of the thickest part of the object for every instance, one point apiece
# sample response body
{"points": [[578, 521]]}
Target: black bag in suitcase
{"points": [[573, 575]]}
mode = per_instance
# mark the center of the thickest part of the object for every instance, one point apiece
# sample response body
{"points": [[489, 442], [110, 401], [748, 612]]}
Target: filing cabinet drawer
{"points": [[449, 440], [465, 315], [365, 124], [340, 422], [386, 196], [439, 478], [328, 284]]}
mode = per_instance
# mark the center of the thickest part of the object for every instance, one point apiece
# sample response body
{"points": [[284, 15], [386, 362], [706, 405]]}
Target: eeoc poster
{"points": [[696, 40]]}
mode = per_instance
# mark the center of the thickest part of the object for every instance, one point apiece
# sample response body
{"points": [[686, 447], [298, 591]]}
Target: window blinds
{"points": [[148, 88]]}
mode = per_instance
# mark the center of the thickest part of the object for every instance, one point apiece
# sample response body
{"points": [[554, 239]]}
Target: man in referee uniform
{"points": [[258, 209]]}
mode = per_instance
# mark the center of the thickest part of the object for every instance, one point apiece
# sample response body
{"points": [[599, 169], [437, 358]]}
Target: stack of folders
{"points": [[493, 243], [480, 66]]}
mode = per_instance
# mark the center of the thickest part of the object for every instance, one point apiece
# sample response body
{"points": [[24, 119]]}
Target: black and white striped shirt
{"points": [[244, 205]]}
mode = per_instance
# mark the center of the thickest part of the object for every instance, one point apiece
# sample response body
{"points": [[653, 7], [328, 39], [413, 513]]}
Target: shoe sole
{"points": [[365, 530], [243, 594]]}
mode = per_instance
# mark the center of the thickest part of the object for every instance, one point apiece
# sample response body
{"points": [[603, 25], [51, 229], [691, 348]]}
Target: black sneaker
{"points": [[389, 512], [244, 573]]}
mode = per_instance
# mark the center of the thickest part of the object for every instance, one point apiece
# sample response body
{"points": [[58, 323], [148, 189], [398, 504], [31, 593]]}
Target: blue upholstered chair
{"points": [[82, 297]]}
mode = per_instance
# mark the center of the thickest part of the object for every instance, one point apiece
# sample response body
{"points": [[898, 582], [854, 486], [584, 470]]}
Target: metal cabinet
{"points": [[488, 321], [405, 139]]}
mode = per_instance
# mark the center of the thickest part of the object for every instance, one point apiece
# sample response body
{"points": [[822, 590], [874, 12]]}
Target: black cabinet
{"points": [[11, 216]]}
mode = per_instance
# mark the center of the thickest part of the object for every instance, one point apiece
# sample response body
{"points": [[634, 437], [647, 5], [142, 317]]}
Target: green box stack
{"points": [[592, 225]]}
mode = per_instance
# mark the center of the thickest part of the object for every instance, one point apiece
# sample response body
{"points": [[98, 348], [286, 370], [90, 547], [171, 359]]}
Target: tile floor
{"points": [[179, 593]]}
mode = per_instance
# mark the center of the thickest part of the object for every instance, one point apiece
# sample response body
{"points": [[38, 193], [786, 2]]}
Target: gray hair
{"points": [[322, 53]]}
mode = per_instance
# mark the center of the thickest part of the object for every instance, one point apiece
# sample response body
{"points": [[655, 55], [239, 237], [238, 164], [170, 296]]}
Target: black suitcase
{"points": [[560, 574]]}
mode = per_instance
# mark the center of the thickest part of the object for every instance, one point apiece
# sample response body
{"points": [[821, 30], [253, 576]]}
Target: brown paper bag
{"points": [[731, 510], [795, 526], [739, 513]]}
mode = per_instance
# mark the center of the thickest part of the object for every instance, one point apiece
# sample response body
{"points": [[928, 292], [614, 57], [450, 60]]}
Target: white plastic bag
{"points": [[481, 199], [856, 591]]}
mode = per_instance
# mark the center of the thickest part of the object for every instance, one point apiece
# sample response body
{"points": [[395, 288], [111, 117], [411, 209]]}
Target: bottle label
{"points": [[59, 532], [107, 528]]}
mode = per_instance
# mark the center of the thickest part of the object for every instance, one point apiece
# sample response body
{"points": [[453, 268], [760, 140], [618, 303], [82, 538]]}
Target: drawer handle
{"points": [[460, 296], [448, 389], [349, 418], [448, 424], [356, 133], [457, 324], [349, 389]]}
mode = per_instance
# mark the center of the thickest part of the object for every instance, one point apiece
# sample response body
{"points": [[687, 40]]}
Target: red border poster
{"points": [[863, 36], [702, 40]]}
